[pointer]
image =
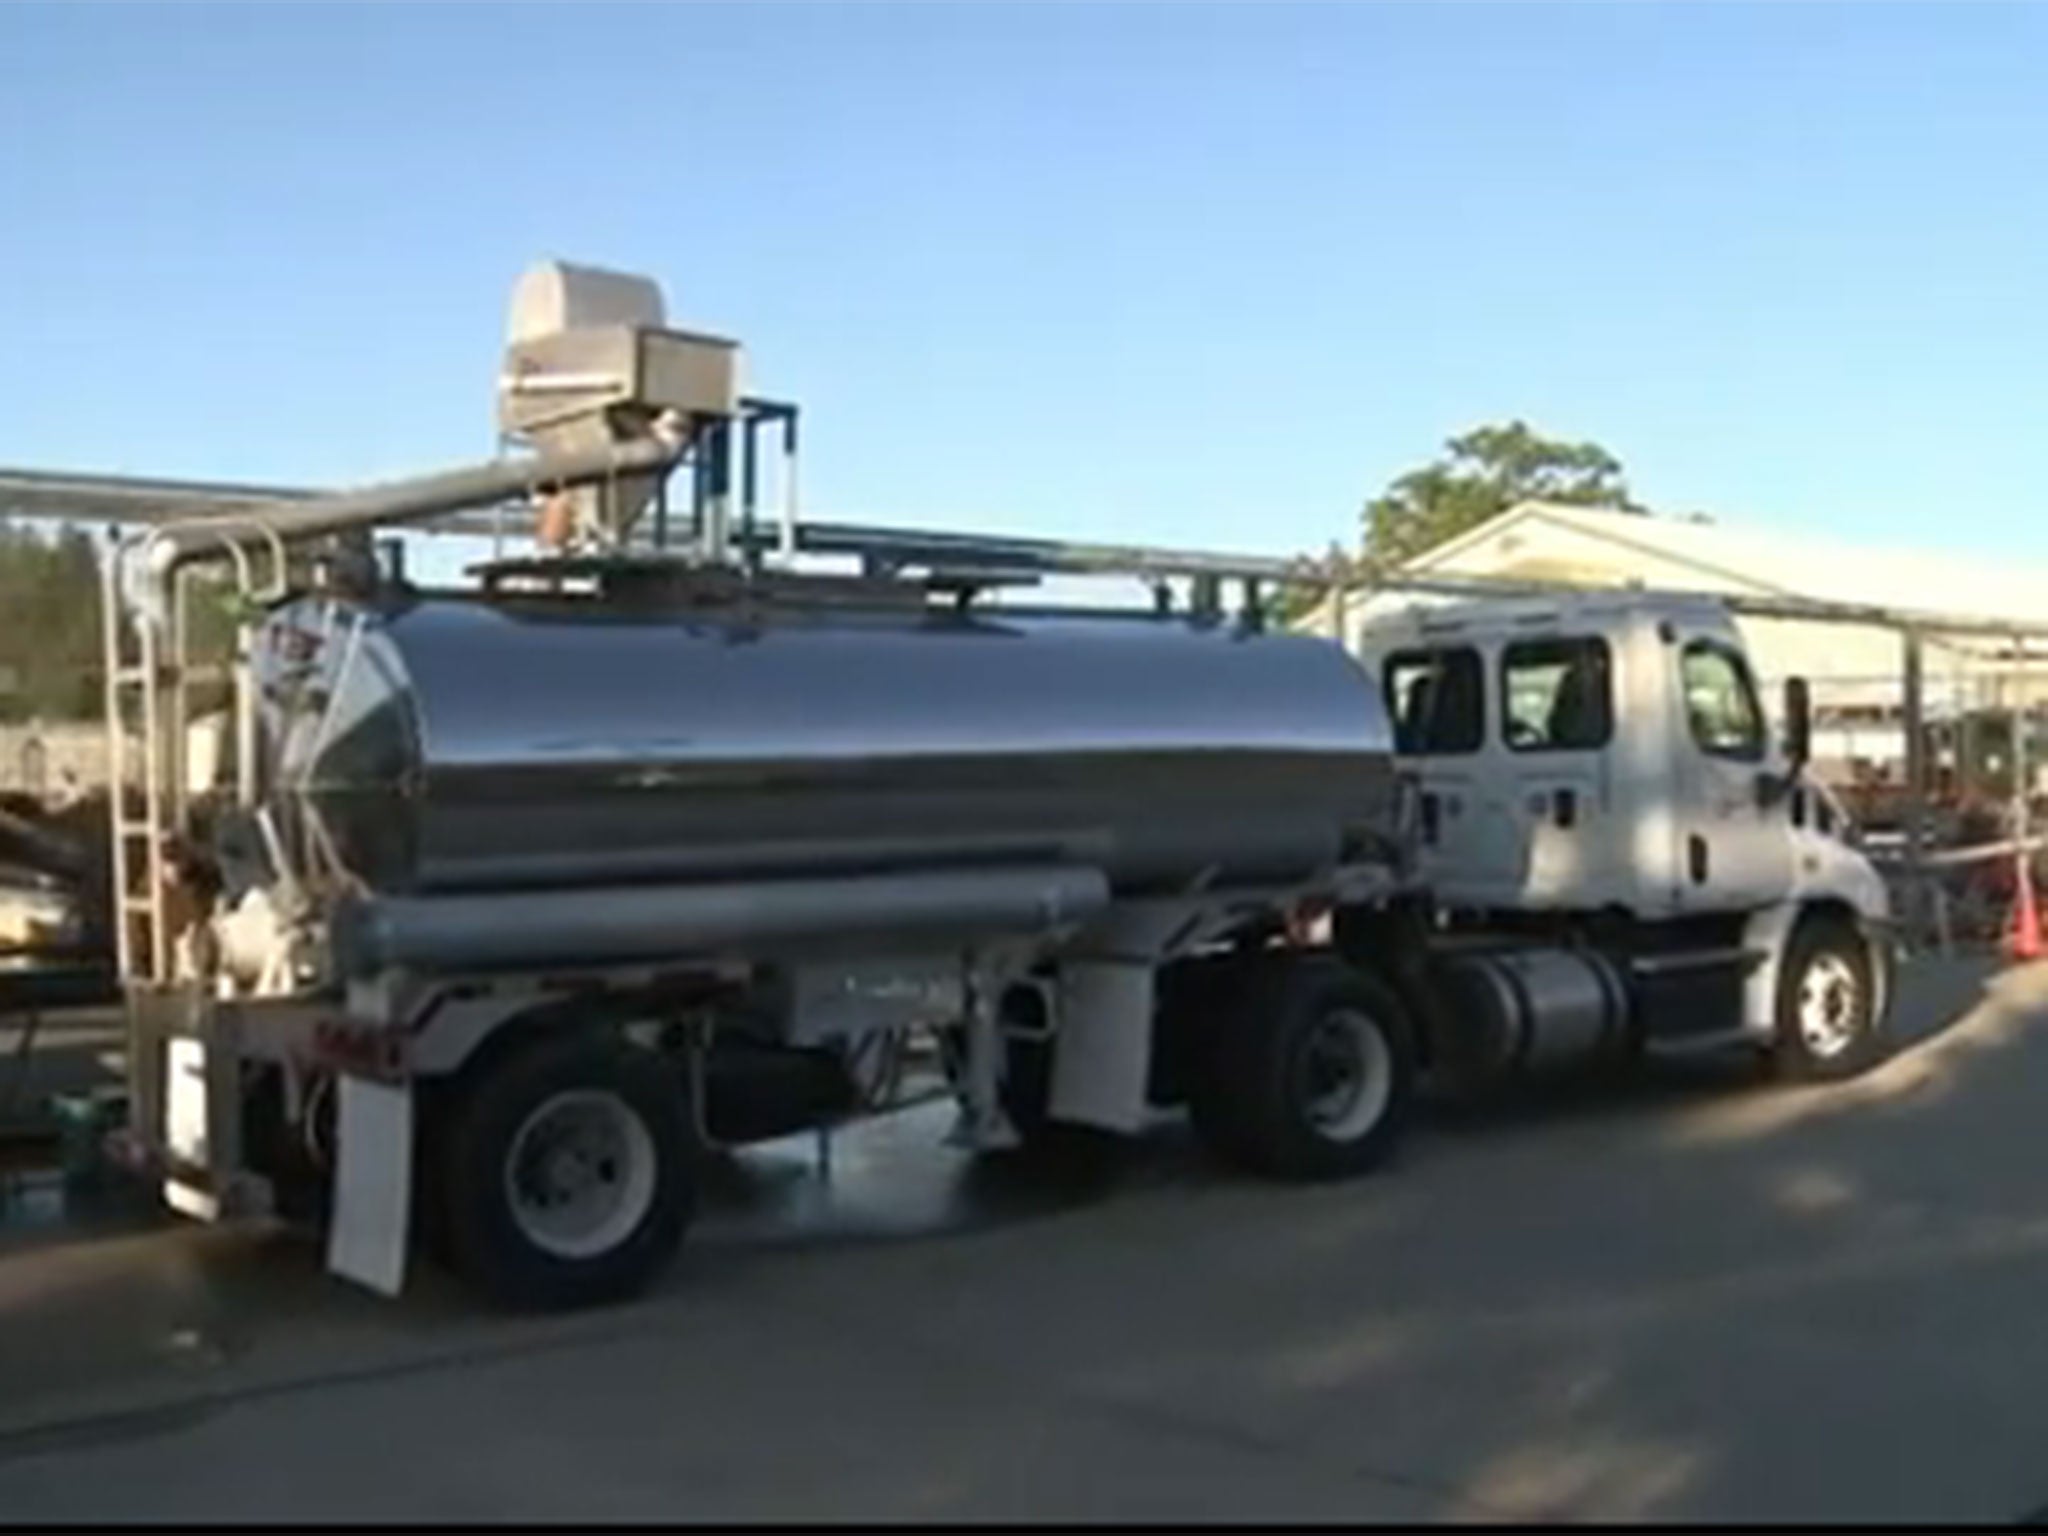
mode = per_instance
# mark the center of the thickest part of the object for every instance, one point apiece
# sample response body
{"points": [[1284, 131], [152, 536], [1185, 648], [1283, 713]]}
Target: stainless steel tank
{"points": [[471, 745]]}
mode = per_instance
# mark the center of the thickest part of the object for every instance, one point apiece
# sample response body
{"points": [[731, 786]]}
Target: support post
{"points": [[750, 552], [717, 526], [1915, 719], [789, 507], [982, 1125], [2021, 768]]}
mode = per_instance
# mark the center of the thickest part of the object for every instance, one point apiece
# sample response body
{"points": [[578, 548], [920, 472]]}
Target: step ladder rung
{"points": [[136, 675]]}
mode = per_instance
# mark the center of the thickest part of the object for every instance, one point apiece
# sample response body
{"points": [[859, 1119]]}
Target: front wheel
{"points": [[1307, 1073], [1827, 1004], [565, 1174]]}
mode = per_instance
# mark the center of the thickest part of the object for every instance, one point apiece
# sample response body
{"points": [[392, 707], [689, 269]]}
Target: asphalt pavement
{"points": [[1690, 1297]]}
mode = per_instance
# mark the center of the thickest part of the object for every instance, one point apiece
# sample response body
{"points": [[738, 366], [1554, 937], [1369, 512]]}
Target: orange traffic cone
{"points": [[2023, 938]]}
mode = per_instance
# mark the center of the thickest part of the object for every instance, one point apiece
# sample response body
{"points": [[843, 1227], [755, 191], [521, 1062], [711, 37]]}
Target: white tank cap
{"points": [[554, 296]]}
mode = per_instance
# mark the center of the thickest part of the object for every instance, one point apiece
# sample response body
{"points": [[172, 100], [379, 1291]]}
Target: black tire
{"points": [[1832, 948], [1026, 1087], [301, 1187], [490, 1244], [1254, 1098]]}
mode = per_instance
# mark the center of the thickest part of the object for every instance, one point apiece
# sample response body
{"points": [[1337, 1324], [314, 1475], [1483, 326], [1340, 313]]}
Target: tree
{"points": [[50, 633], [1483, 473], [1296, 600], [49, 624]]}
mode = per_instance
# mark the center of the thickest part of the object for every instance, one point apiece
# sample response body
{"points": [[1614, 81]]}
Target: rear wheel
{"points": [[1826, 1025], [565, 1174], [1308, 1071]]}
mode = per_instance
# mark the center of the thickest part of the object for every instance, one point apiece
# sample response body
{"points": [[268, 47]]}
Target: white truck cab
{"points": [[1596, 770]]}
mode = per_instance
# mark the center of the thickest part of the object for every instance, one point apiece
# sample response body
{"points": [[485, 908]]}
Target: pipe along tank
{"points": [[501, 782]]}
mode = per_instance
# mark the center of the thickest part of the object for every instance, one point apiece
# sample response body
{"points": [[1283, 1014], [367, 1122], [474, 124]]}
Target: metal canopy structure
{"points": [[1929, 621], [133, 500]]}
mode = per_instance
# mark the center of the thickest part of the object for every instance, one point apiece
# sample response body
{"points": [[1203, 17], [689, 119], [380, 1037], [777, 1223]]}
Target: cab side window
{"points": [[1720, 702], [1437, 700], [1557, 695]]}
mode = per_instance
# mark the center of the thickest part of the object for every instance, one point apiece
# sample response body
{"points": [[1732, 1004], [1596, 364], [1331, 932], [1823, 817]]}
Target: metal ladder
{"points": [[134, 704], [149, 682]]}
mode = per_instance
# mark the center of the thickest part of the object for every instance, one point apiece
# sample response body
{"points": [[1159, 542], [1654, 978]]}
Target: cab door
{"points": [[1436, 697], [1557, 724], [1734, 833]]}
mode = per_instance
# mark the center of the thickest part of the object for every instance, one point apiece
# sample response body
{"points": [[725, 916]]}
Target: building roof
{"points": [[1713, 556]]}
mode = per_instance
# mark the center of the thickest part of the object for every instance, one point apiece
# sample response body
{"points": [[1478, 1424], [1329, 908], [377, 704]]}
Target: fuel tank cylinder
{"points": [[1531, 1010], [443, 745]]}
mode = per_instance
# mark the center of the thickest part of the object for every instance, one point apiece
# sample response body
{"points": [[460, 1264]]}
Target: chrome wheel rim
{"points": [[1829, 995], [1346, 1075], [580, 1173]]}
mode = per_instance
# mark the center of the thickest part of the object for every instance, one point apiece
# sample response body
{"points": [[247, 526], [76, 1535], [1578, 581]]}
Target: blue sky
{"points": [[1200, 275]]}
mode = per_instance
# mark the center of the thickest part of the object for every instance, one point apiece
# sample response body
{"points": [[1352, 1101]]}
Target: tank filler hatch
{"points": [[589, 359]]}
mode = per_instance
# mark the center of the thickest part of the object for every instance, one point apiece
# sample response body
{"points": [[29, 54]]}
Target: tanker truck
{"points": [[516, 898]]}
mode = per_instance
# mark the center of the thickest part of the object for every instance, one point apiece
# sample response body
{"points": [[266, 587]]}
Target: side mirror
{"points": [[1798, 724]]}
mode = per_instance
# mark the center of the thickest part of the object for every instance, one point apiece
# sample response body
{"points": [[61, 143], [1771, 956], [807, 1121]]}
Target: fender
{"points": [[1769, 930]]}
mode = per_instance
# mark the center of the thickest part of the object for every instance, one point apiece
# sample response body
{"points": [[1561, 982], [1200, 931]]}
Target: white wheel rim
{"points": [[580, 1173], [1348, 1073], [1828, 1000]]}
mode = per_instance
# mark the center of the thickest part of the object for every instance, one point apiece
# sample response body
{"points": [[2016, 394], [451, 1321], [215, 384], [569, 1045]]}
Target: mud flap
{"points": [[188, 1107], [367, 1233], [1102, 1056]]}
